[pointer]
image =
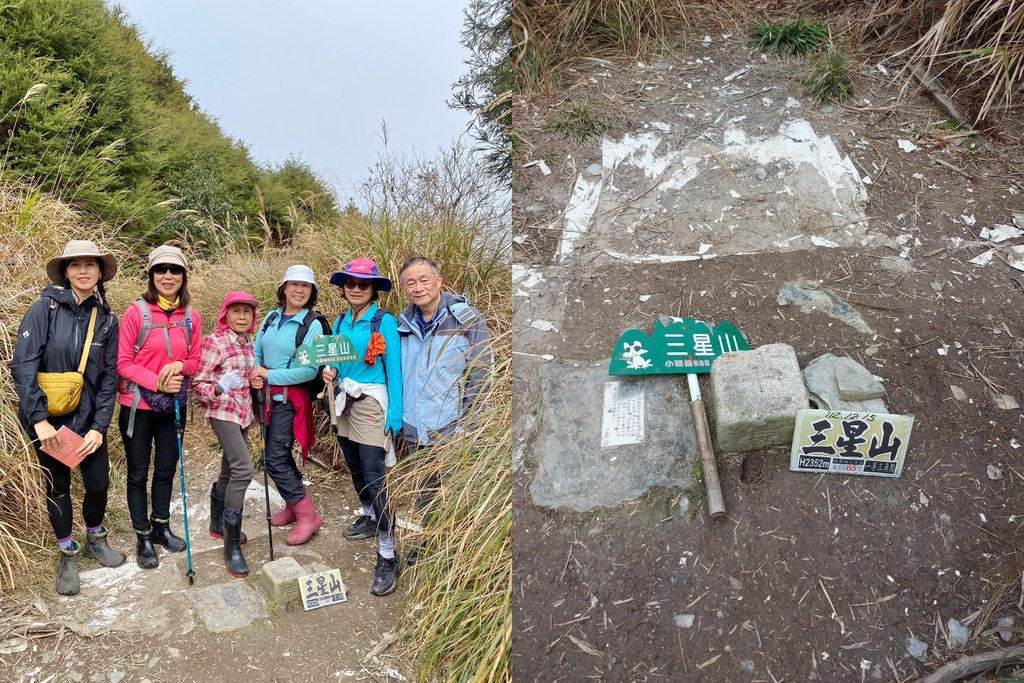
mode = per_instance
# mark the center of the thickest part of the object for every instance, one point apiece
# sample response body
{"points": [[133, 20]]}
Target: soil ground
{"points": [[156, 633], [809, 577]]}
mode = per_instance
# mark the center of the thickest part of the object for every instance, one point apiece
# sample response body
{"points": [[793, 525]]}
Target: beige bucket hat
{"points": [[76, 249]]}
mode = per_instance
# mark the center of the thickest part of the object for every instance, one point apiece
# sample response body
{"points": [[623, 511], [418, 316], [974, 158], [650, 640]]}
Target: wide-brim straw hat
{"points": [[78, 249]]}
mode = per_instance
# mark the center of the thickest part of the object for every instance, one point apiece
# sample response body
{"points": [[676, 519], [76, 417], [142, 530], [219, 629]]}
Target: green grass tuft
{"points": [[581, 121], [830, 78], [794, 37]]}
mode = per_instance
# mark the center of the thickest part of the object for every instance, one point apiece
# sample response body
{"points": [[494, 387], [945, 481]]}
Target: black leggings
{"points": [[369, 475], [95, 469], [154, 433]]}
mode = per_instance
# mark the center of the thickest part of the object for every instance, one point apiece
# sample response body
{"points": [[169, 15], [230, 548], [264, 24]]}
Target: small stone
{"points": [[973, 440], [958, 393], [994, 473], [98, 678], [116, 676], [536, 208], [917, 648], [1005, 622], [684, 506], [747, 665], [684, 620], [856, 383], [761, 173], [736, 584], [958, 633], [594, 169], [1005, 402], [76, 676]]}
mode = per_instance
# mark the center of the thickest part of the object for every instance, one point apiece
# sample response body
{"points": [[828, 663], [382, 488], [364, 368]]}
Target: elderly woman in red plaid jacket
{"points": [[222, 384]]}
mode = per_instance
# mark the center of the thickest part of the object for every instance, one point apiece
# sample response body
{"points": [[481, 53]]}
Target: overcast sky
{"points": [[316, 78]]}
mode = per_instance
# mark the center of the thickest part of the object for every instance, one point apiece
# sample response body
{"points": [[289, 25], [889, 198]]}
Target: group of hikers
{"points": [[411, 387]]}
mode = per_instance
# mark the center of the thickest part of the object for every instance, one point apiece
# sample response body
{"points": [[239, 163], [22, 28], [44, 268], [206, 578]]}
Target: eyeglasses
{"points": [[161, 268], [358, 284]]}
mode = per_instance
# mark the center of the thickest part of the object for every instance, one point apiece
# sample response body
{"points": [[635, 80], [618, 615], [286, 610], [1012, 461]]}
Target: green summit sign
{"points": [[326, 350], [682, 346]]}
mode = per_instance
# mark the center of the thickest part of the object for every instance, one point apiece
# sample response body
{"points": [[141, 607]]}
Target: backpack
{"points": [[158, 398], [315, 386]]}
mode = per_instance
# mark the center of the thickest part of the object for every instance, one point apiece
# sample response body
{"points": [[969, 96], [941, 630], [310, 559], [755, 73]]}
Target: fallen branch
{"points": [[967, 666]]}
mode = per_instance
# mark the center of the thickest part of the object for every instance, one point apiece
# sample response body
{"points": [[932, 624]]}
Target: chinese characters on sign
{"points": [[321, 589], [684, 346], [872, 444], [326, 350], [623, 418]]}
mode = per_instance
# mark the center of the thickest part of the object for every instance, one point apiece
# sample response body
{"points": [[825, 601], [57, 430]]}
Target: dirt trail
{"points": [[142, 625]]}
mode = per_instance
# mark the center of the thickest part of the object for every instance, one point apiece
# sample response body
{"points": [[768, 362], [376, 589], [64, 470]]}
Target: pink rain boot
{"points": [[308, 520]]}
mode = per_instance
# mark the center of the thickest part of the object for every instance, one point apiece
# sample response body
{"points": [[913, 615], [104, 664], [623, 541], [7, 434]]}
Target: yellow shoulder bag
{"points": [[64, 389]]}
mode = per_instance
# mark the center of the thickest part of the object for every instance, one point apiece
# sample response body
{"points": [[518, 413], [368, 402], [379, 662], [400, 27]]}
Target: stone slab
{"points": [[856, 383], [823, 387], [754, 397], [279, 580], [228, 606], [575, 471]]}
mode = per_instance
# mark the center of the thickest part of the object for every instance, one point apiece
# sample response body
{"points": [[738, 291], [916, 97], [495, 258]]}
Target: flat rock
{"points": [[856, 382], [228, 606], [576, 471], [823, 387]]}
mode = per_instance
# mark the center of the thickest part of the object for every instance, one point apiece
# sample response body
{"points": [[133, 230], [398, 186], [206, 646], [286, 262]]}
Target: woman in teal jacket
{"points": [[369, 407], [287, 408]]}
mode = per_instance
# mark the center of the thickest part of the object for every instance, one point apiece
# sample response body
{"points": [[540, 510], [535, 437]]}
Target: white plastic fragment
{"points": [[707, 41], [983, 259], [968, 220], [1000, 233], [543, 326], [1016, 260], [539, 163], [907, 146]]}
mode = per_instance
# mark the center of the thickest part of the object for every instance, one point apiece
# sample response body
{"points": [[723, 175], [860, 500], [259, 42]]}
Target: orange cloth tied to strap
{"points": [[375, 348]]}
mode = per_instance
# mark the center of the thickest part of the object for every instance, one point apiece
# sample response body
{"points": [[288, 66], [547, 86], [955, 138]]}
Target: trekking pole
{"points": [[266, 483], [179, 427]]}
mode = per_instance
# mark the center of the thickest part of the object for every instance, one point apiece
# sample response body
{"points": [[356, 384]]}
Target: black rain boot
{"points": [[162, 535], [67, 571], [97, 548], [145, 553], [233, 558], [217, 515]]}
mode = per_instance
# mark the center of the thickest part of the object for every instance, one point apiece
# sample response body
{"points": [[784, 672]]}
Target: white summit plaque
{"points": [[623, 418]]}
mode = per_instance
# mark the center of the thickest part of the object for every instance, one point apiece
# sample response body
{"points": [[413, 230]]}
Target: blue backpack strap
{"points": [[378, 315]]}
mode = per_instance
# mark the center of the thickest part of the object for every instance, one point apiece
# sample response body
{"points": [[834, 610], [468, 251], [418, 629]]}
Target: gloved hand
{"points": [[230, 381], [394, 426]]}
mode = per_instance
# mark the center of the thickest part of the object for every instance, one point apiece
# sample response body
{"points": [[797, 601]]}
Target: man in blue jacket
{"points": [[446, 361]]}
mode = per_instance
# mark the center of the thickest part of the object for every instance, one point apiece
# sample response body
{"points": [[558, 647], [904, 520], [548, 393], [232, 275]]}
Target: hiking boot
{"points": [[163, 536], [385, 576], [217, 515], [363, 527], [145, 553], [67, 571], [307, 521], [97, 548], [233, 558], [284, 517]]}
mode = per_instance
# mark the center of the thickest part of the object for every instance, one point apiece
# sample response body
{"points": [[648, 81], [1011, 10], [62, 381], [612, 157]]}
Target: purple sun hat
{"points": [[361, 269]]}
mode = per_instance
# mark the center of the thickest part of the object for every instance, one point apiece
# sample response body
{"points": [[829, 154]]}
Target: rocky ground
{"points": [[136, 625], [691, 207]]}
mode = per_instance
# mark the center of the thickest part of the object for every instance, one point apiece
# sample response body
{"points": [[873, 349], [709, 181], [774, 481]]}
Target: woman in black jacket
{"points": [[51, 339]]}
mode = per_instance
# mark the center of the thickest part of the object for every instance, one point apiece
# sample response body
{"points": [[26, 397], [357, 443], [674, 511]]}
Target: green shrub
{"points": [[794, 37]]}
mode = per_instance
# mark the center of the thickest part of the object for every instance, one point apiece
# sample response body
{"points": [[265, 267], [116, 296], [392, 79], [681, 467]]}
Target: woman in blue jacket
{"points": [[369, 407]]}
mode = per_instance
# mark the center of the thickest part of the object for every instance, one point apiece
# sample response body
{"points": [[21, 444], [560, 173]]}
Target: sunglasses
{"points": [[161, 268], [357, 284]]}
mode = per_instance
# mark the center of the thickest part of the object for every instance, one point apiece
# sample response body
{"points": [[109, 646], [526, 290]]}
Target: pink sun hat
{"points": [[361, 269], [237, 298]]}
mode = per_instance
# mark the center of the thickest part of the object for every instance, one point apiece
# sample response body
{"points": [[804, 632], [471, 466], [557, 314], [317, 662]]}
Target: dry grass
{"points": [[33, 229]]}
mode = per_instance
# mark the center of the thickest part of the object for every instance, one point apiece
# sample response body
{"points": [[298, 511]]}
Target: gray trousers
{"points": [[235, 465]]}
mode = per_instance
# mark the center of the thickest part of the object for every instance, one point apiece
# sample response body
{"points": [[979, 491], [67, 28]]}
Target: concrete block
{"points": [[228, 606], [280, 580], [754, 396]]}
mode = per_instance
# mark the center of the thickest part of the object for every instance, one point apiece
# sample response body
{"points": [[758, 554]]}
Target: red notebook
{"points": [[67, 450]]}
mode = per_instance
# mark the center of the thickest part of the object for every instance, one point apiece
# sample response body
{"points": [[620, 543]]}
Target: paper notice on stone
{"points": [[623, 418]]}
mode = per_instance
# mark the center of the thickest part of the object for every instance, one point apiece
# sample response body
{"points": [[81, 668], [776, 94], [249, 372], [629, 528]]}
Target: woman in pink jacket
{"points": [[160, 344]]}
